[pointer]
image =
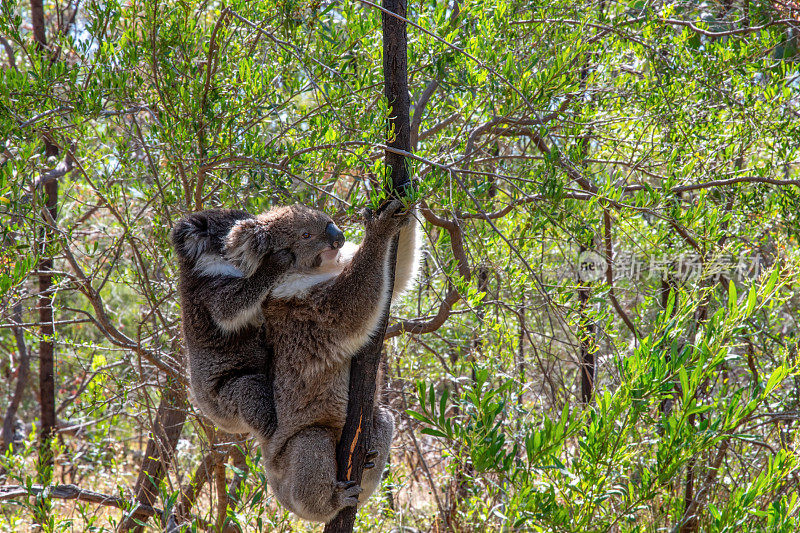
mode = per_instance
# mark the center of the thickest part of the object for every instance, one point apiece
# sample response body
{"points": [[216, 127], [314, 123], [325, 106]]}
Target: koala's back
{"points": [[216, 356]]}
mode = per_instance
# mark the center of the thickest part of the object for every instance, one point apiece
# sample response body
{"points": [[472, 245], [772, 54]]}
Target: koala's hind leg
{"points": [[381, 442], [308, 486], [248, 400]]}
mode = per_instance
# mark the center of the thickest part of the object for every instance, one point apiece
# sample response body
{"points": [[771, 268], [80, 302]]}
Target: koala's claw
{"points": [[368, 214], [368, 457], [348, 492], [389, 215], [387, 220], [390, 208]]}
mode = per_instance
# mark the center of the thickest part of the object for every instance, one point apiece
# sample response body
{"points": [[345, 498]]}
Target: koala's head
{"points": [[311, 235]]}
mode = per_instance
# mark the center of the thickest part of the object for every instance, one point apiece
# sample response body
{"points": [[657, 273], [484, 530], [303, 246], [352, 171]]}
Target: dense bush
{"points": [[604, 335]]}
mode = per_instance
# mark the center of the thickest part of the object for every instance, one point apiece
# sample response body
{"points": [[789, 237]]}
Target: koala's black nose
{"points": [[335, 235]]}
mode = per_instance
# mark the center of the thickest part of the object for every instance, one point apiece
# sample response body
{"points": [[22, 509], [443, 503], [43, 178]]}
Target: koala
{"points": [[230, 359], [319, 313]]}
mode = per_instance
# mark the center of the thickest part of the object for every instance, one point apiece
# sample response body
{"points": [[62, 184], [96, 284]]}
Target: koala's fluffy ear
{"points": [[191, 236], [246, 245]]}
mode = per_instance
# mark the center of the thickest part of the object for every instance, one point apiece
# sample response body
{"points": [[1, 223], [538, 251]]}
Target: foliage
{"points": [[662, 137]]}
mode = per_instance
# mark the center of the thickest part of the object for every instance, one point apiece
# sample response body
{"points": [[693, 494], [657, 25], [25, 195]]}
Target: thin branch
{"points": [[609, 251], [419, 109], [73, 492], [12, 325], [61, 170], [741, 31], [722, 183], [12, 61], [419, 327], [439, 126], [692, 25], [523, 126], [520, 201]]}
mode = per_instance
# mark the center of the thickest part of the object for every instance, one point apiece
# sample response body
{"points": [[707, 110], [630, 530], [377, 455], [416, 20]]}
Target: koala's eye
{"points": [[306, 235]]}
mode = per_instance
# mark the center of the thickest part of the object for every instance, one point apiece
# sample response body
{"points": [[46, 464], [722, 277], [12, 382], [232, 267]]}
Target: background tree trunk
{"points": [[161, 445], [47, 400]]}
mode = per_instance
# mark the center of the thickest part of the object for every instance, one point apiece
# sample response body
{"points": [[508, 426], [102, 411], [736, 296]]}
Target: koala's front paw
{"points": [[389, 218], [246, 243], [368, 215], [390, 208], [346, 494]]}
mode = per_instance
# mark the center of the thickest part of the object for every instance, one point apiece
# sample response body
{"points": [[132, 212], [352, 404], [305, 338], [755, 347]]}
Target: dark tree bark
{"points": [[395, 89], [47, 388], [353, 444], [37, 21], [586, 333], [46, 349]]}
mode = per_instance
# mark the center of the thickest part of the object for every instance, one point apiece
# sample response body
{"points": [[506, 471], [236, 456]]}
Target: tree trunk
{"points": [[161, 445], [586, 333], [47, 398], [352, 447], [47, 388]]}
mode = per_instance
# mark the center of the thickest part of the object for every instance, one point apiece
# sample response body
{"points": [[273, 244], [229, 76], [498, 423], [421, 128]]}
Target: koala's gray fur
{"points": [[230, 359], [279, 296], [319, 314]]}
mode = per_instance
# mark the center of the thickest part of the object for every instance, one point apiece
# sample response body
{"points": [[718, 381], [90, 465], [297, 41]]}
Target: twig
{"points": [[741, 31], [73, 492], [610, 275], [419, 109], [419, 327], [675, 22]]}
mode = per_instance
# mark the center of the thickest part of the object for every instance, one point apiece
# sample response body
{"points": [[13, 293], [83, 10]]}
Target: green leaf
{"points": [[751, 301], [670, 304], [732, 298], [419, 416], [773, 278], [434, 433], [683, 376], [775, 378]]}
